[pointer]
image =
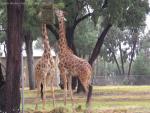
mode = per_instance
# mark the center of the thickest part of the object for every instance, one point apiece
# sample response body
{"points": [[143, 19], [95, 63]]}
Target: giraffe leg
{"points": [[65, 89], [52, 89], [38, 95], [71, 93], [44, 93], [64, 78], [70, 89], [87, 87]]}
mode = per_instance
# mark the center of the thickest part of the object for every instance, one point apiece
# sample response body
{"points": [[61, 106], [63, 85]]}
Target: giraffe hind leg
{"points": [[44, 93], [38, 95], [71, 93]]}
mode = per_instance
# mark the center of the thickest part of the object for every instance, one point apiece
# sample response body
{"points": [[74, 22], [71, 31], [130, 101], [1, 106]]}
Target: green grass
{"points": [[135, 99], [121, 89]]}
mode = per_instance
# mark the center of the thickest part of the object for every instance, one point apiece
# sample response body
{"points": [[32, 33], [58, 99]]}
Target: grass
{"points": [[119, 99], [121, 89]]}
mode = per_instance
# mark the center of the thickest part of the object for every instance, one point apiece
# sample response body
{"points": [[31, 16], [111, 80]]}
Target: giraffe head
{"points": [[60, 14]]}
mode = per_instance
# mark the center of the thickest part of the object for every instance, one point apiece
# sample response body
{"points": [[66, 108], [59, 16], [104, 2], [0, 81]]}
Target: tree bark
{"points": [[14, 43], [2, 90], [29, 51], [99, 44]]}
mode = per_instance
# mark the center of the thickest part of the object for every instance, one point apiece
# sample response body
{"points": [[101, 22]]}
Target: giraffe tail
{"points": [[41, 91]]}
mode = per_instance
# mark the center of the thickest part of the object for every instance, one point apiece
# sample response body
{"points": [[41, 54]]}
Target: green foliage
{"points": [[122, 13], [135, 13], [114, 38], [31, 20], [85, 37], [2, 37], [141, 65], [72, 10], [3, 13]]}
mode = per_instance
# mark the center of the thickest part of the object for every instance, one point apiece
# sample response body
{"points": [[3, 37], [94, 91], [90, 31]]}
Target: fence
{"points": [[122, 80]]}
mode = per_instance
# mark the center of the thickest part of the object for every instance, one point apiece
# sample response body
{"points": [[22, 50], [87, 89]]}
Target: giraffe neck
{"points": [[47, 48], [62, 35]]}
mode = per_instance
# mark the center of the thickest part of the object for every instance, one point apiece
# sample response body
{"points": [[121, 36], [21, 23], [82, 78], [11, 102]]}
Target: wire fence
{"points": [[122, 80]]}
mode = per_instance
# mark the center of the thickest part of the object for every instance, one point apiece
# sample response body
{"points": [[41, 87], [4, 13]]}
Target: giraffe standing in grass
{"points": [[70, 63], [45, 70]]}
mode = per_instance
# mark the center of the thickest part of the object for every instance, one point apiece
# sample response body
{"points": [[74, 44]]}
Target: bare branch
{"points": [[81, 19]]}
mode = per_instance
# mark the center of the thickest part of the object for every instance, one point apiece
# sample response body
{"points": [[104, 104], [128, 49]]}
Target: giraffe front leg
{"points": [[37, 96], [70, 89], [52, 89], [65, 90], [44, 93], [71, 93], [63, 76]]}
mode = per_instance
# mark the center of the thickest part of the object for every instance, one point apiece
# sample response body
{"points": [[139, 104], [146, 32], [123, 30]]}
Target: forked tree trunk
{"points": [[29, 51], [99, 44], [15, 12], [133, 53]]}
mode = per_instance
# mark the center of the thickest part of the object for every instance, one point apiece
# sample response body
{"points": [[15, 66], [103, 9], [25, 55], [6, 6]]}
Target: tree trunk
{"points": [[121, 57], [29, 51], [99, 44], [14, 43], [132, 55], [116, 61], [2, 90]]}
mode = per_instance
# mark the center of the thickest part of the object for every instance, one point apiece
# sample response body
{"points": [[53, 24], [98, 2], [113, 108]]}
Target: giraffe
{"points": [[70, 63], [45, 70]]}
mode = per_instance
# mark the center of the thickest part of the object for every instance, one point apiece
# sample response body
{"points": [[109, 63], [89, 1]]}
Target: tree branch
{"points": [[105, 4], [81, 19], [53, 30]]}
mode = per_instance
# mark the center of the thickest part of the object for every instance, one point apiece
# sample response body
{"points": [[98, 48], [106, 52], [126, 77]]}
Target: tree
{"points": [[31, 31], [141, 65], [15, 11], [29, 51]]}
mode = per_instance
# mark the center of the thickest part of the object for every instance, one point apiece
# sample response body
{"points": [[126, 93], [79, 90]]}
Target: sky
{"points": [[148, 21]]}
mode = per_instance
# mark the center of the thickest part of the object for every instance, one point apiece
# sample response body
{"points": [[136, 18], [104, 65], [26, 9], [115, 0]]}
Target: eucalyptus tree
{"points": [[31, 32], [120, 45], [142, 62], [122, 13], [15, 11]]}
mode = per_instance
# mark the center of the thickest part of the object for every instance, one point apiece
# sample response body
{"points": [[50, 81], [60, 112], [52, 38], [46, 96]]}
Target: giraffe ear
{"points": [[65, 19]]}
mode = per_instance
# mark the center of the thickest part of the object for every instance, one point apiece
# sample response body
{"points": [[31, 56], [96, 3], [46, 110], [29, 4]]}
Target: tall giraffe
{"points": [[45, 70], [70, 63]]}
